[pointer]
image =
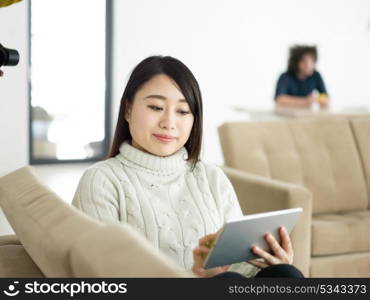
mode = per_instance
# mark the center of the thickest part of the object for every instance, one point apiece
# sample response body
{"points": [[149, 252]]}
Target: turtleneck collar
{"points": [[154, 164]]}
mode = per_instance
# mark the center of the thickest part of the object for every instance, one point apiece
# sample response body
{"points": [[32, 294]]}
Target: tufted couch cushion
{"points": [[341, 233]]}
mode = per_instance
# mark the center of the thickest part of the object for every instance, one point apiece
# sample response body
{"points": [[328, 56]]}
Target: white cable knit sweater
{"points": [[162, 198]]}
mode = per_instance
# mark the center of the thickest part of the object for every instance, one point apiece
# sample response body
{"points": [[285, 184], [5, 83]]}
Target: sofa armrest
{"points": [[259, 194], [122, 251], [9, 239], [64, 242], [14, 260]]}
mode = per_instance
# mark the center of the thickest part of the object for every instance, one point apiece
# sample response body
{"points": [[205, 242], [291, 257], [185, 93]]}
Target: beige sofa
{"points": [[331, 159], [54, 239]]}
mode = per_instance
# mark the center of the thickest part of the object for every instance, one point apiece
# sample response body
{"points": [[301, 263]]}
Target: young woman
{"points": [[154, 180]]}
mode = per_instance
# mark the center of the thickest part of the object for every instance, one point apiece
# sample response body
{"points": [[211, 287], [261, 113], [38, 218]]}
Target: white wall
{"points": [[236, 49], [13, 96], [14, 90]]}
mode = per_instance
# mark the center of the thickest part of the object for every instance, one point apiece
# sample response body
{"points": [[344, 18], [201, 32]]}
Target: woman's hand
{"points": [[281, 254], [202, 250]]}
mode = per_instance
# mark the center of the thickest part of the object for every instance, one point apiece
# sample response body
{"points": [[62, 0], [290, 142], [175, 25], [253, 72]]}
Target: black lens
{"points": [[8, 57]]}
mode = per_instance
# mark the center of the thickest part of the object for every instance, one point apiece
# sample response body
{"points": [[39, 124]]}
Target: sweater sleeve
{"points": [[229, 205], [97, 196], [229, 201]]}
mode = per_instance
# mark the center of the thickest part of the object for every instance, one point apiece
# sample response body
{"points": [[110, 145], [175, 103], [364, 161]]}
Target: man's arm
{"points": [[294, 102], [324, 98], [320, 84], [282, 97]]}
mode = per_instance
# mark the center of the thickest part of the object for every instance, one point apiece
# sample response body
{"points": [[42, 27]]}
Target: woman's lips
{"points": [[164, 138]]}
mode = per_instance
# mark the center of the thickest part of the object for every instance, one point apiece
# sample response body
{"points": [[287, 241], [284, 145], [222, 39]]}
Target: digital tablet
{"points": [[237, 237]]}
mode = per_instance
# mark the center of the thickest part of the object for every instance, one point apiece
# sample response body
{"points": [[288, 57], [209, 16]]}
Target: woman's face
{"points": [[160, 119]]}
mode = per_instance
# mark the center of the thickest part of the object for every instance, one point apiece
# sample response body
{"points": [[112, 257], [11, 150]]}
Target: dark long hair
{"points": [[189, 87], [295, 55]]}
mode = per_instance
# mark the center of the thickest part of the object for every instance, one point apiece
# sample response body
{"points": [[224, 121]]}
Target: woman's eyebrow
{"points": [[161, 98]]}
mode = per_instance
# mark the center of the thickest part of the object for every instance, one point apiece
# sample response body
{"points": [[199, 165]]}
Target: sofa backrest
{"points": [[320, 154]]}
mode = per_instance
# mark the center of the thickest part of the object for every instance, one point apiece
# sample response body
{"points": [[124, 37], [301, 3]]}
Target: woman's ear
{"points": [[127, 116], [127, 111]]}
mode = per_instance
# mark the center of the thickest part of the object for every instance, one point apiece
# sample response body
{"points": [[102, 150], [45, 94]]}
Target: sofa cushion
{"points": [[14, 260], [319, 154], [345, 265], [341, 233], [50, 230]]}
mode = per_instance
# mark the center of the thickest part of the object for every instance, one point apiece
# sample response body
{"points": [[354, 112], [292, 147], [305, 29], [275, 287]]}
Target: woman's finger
{"points": [[222, 269], [263, 254], [197, 255], [206, 238], [275, 246], [201, 250], [198, 264], [285, 240]]}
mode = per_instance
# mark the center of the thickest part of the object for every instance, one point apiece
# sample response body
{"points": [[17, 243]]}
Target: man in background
{"points": [[301, 85]]}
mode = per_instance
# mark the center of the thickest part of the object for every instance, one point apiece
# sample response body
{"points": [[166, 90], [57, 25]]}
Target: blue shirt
{"points": [[289, 84]]}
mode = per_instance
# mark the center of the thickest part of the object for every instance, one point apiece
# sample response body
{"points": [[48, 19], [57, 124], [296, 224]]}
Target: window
{"points": [[70, 44]]}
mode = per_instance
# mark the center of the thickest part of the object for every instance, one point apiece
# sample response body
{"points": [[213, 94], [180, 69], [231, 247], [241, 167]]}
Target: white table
{"points": [[281, 113]]}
